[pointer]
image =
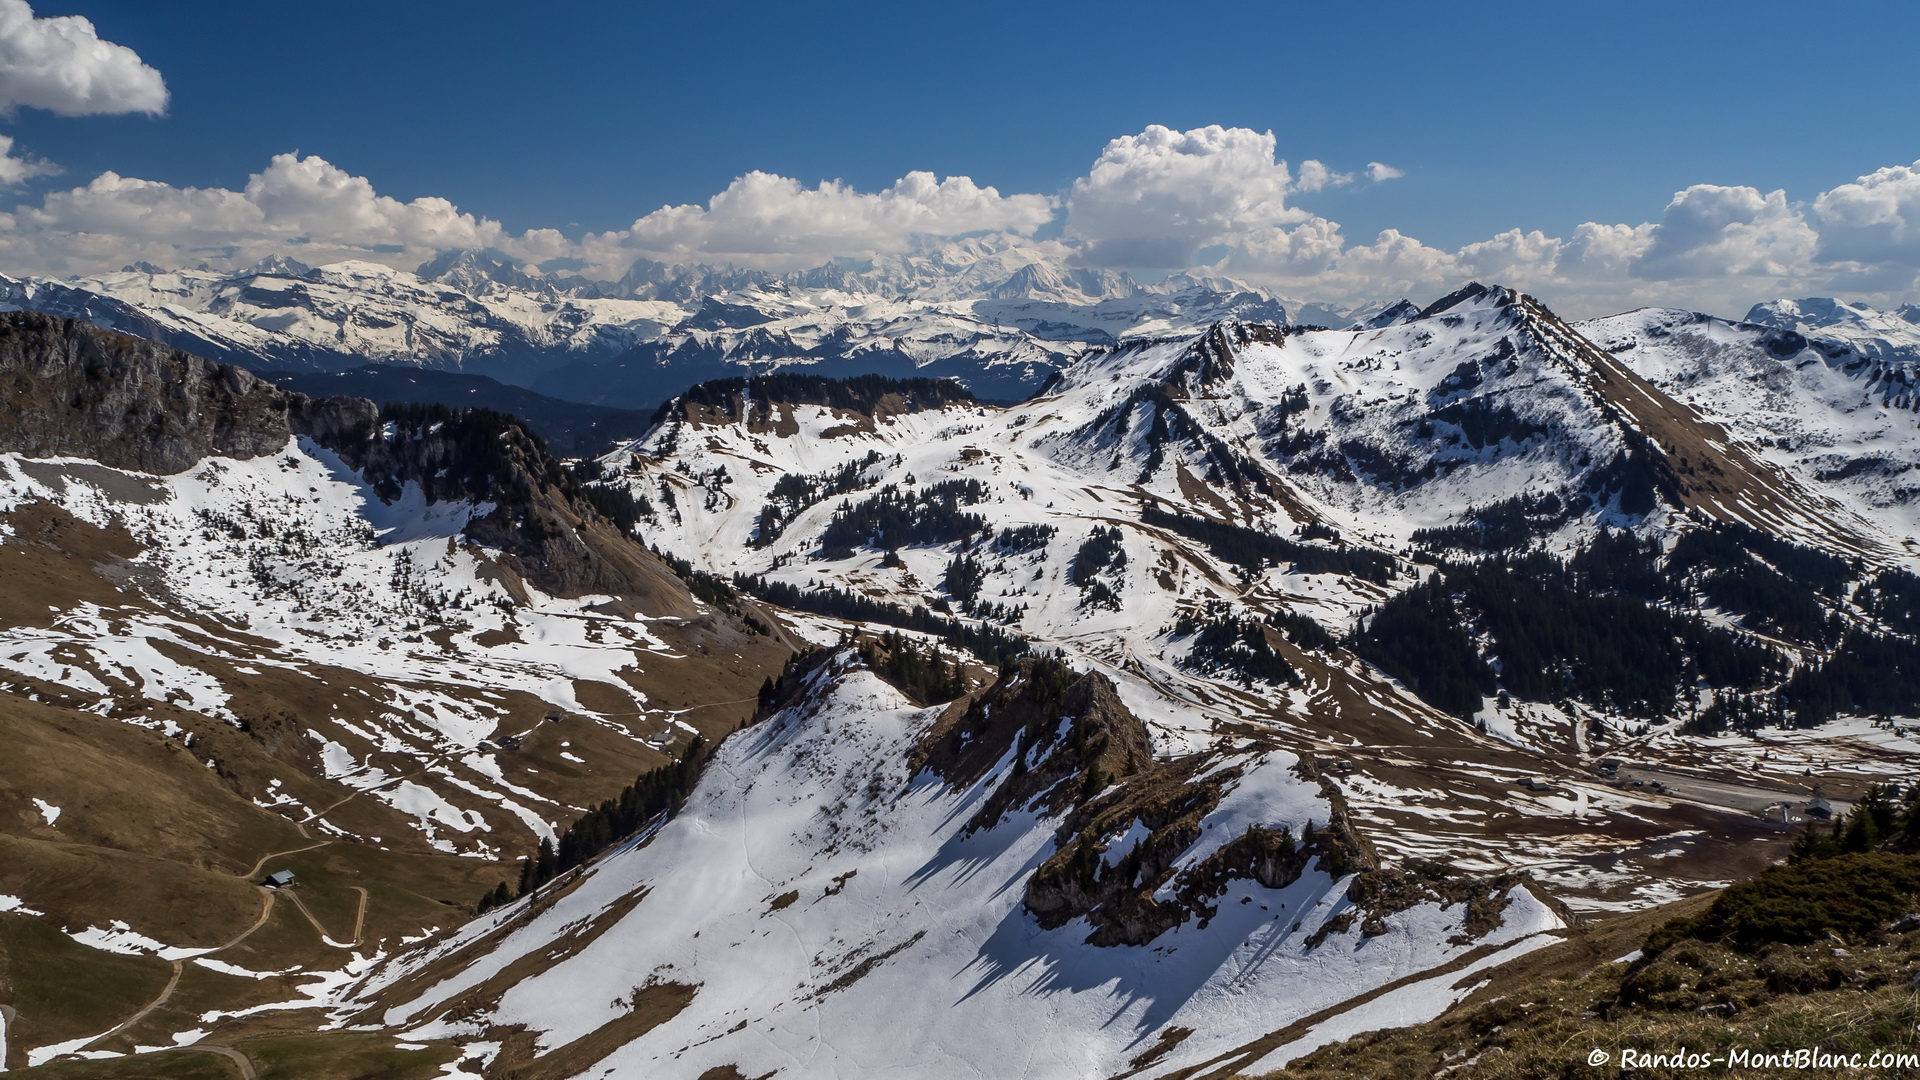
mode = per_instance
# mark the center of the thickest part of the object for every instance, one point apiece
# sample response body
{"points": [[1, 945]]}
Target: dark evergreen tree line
{"points": [[1019, 539], [1507, 525], [1731, 547], [618, 504], [1557, 639], [897, 518], [498, 897], [1579, 629], [963, 578], [1250, 547], [1868, 673], [860, 393], [1223, 641], [1100, 552], [1420, 638], [1000, 613], [1318, 530], [919, 671], [655, 792], [1775, 585], [793, 493], [1894, 598], [1617, 561], [989, 643], [1303, 630], [1772, 603], [1745, 713]]}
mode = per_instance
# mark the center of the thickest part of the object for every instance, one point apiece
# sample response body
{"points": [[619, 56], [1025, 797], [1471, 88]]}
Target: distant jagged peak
{"points": [[1472, 291], [1033, 279], [276, 265], [1404, 311], [717, 314], [360, 270], [472, 270], [1186, 282], [1810, 311]]}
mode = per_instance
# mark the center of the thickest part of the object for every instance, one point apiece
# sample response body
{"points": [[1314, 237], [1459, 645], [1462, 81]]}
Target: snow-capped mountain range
{"points": [[999, 316], [1001, 320], [1249, 685]]}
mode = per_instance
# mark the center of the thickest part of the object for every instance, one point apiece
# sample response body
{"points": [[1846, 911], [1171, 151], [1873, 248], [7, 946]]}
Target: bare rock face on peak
{"points": [[70, 389], [536, 517]]}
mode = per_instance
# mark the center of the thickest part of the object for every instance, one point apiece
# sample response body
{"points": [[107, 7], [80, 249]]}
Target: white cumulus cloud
{"points": [[1315, 175], [62, 65], [1209, 200], [1712, 231], [1874, 219], [16, 169], [1156, 198], [303, 206], [775, 221]]}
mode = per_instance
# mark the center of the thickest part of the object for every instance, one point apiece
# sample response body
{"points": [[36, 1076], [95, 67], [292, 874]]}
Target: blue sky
{"points": [[583, 117]]}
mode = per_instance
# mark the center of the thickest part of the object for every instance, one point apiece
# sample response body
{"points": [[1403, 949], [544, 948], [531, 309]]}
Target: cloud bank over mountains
{"points": [[1212, 199]]}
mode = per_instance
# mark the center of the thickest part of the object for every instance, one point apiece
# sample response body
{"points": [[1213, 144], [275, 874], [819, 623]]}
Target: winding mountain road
{"points": [[261, 863], [359, 920], [228, 1052], [165, 995], [179, 966]]}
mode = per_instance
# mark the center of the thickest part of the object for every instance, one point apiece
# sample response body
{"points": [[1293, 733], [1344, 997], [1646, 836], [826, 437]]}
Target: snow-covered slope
{"points": [[1333, 452], [830, 869], [291, 564], [1823, 390], [352, 636], [1845, 333], [822, 909]]}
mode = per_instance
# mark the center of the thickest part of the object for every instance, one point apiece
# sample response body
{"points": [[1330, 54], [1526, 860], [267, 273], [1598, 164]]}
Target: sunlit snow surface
{"points": [[1831, 423], [969, 984], [1429, 787]]}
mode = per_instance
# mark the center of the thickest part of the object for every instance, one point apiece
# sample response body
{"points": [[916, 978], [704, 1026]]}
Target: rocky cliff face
{"points": [[1131, 853], [543, 530], [70, 389]]}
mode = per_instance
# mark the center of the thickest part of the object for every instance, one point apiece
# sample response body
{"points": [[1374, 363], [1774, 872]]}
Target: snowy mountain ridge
{"points": [[1241, 690], [1001, 317]]}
